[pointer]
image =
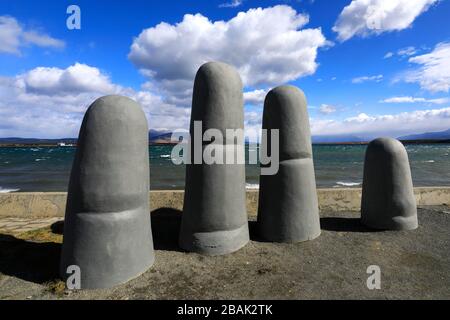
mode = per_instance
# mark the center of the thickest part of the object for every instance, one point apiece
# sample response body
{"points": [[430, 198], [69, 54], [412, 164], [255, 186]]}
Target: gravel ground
{"points": [[414, 264]]}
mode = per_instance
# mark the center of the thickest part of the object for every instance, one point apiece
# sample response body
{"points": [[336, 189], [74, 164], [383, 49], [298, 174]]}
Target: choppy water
{"points": [[48, 168]]}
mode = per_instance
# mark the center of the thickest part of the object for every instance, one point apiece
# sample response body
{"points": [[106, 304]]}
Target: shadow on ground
{"points": [[166, 224], [342, 224], [254, 231], [336, 224], [38, 261], [57, 227], [31, 261]]}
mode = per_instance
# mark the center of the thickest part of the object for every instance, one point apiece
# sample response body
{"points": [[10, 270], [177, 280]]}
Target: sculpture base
{"points": [[288, 209], [395, 223], [110, 248], [216, 242], [287, 238]]}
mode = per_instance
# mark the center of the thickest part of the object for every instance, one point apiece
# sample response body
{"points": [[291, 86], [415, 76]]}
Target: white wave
{"points": [[165, 156], [39, 159], [7, 190], [429, 161], [35, 149], [348, 184], [252, 186]]}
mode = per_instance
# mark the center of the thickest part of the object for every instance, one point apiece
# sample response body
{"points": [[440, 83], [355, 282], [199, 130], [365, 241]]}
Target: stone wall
{"points": [[52, 204]]}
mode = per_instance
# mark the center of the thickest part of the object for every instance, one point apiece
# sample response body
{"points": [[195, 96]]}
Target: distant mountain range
{"points": [[161, 137], [441, 135], [164, 137], [427, 136], [337, 139], [16, 140], [154, 136]]}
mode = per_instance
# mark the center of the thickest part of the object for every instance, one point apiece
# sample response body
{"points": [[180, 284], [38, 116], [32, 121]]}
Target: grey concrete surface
{"points": [[388, 200], [107, 230], [214, 214], [288, 209], [413, 265]]}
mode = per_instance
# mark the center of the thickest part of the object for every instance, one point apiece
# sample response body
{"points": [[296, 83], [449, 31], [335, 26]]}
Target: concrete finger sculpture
{"points": [[388, 200], [214, 219], [107, 231], [288, 207]]}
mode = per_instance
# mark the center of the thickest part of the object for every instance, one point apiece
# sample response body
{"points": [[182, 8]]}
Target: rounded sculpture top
{"points": [[285, 109], [388, 200], [217, 98], [111, 167], [386, 145], [112, 106]]}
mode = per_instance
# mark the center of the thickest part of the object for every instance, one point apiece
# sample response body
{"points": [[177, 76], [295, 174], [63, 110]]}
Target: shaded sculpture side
{"points": [[214, 217], [107, 231], [288, 207], [388, 200]]}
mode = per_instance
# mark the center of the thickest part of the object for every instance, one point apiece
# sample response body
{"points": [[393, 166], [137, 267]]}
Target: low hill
{"points": [[441, 135]]}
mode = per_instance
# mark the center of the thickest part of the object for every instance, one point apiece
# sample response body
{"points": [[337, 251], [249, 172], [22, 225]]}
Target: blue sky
{"points": [[368, 67]]}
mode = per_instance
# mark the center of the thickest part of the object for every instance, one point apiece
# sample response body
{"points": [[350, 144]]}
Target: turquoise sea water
{"points": [[48, 168]]}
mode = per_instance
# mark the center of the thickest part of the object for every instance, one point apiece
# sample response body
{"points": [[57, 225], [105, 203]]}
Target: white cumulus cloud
{"points": [[13, 36], [408, 99], [371, 126], [267, 46], [50, 102], [433, 73], [42, 103], [376, 78], [255, 97], [408, 51], [74, 79], [365, 17], [403, 52], [327, 109], [231, 4]]}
